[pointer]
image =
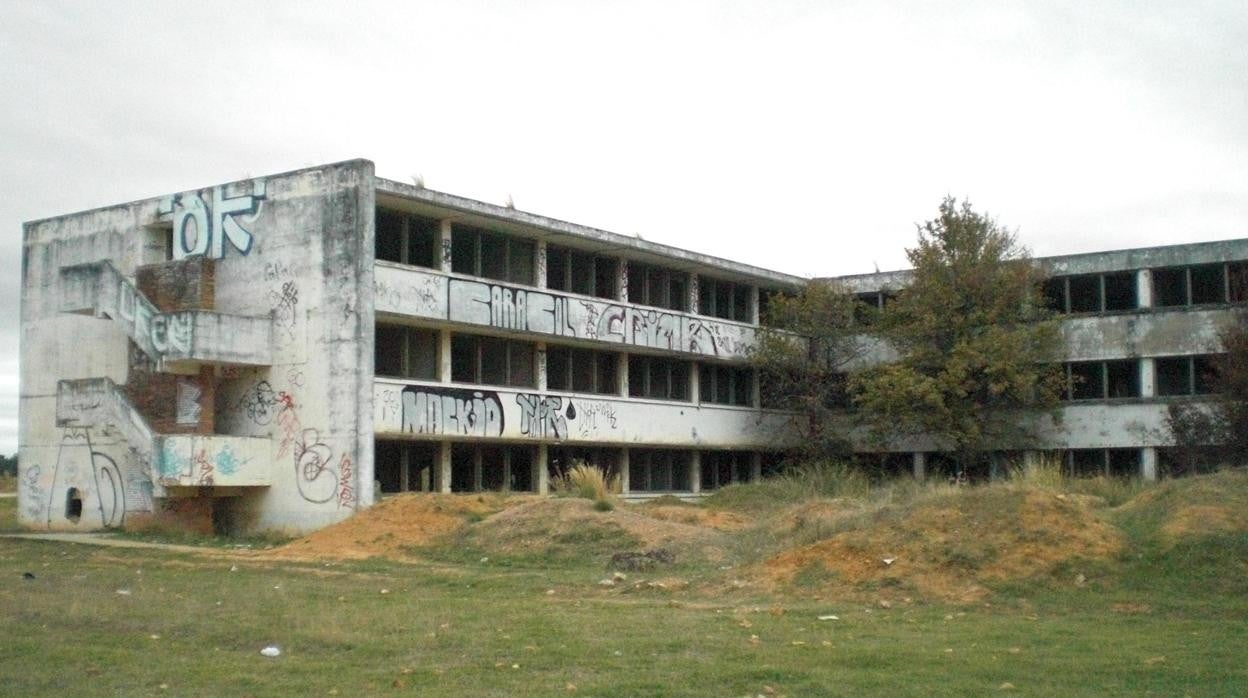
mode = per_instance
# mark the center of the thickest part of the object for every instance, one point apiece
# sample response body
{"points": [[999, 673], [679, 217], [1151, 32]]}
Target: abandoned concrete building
{"points": [[272, 354]]}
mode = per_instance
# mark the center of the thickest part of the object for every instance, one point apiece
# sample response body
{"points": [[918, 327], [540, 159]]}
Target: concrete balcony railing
{"points": [[176, 460], [542, 313], [195, 336], [441, 411]]}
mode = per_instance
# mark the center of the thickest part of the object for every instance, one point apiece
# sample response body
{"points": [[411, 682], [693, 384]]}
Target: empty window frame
{"points": [[1201, 284], [582, 370], [1186, 375], [658, 470], [406, 466], [476, 468], [726, 385], [725, 299], [723, 468], [493, 361], [766, 298], [1101, 380], [658, 378], [406, 238], [581, 272], [405, 352], [1092, 293], [657, 286], [492, 255], [1102, 462]]}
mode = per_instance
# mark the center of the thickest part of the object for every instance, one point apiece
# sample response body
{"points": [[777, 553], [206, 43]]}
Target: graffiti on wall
{"points": [[260, 403], [595, 417], [87, 485], [543, 417], [423, 297], [155, 332], [200, 466], [204, 228], [524, 310], [187, 402], [285, 312], [451, 411], [316, 476]]}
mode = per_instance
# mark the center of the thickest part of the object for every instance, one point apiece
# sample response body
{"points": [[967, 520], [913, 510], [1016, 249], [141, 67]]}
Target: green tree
{"points": [[976, 346], [1209, 434], [801, 356]]}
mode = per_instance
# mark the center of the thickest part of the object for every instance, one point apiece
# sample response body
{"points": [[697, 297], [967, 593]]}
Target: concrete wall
{"points": [[501, 307], [441, 411], [294, 250]]}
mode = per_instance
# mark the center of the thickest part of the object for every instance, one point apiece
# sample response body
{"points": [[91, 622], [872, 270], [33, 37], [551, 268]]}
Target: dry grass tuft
{"points": [[586, 482]]}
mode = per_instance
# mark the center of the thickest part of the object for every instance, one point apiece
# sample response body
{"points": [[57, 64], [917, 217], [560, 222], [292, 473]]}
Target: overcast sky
{"points": [[806, 137]]}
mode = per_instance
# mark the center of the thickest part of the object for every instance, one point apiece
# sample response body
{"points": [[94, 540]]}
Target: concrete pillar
{"points": [[539, 357], [404, 468], [476, 470], [624, 487], [1148, 463], [1031, 461], [756, 466], [539, 264], [622, 280], [695, 383], [1144, 288], [756, 391], [444, 239], [1148, 378], [444, 356], [695, 471], [753, 305], [541, 473], [694, 283], [444, 467], [920, 465], [622, 373]]}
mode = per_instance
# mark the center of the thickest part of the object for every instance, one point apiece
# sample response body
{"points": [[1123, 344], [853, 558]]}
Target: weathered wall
{"points": [[435, 296], [440, 411], [295, 249]]}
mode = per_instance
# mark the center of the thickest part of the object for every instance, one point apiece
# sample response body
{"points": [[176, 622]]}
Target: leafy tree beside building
{"points": [[977, 347], [974, 345]]}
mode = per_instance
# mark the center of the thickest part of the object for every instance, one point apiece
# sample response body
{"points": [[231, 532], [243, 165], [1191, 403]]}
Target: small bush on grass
{"points": [[587, 482]]}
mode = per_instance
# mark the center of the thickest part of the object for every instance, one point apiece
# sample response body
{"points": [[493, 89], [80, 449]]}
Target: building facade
{"points": [[1141, 330], [274, 353], [271, 354]]}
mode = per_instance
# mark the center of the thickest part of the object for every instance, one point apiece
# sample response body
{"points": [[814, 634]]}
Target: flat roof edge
{"points": [[554, 225]]}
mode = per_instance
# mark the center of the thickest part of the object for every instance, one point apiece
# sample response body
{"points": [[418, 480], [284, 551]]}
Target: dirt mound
{"points": [[397, 525], [573, 528], [696, 516], [1204, 520], [949, 547]]}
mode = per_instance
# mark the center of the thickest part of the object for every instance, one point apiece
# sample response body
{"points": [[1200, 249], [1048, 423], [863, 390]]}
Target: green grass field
{"points": [[1163, 619]]}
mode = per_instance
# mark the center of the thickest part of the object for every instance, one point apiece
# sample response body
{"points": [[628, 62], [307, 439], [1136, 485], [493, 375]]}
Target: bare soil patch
{"points": [[396, 526], [948, 549]]}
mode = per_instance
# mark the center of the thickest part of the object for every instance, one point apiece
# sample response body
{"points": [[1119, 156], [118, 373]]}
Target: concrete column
{"points": [[404, 468], [694, 283], [624, 487], [443, 468], [756, 466], [476, 470], [920, 465], [1144, 288], [444, 356], [539, 264], [1148, 463], [539, 357], [622, 280], [695, 471], [444, 238], [1031, 461], [756, 391], [754, 305], [507, 470], [695, 383], [622, 373], [1148, 378], [541, 473]]}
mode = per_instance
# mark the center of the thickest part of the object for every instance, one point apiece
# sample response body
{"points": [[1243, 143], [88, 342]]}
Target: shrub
{"points": [[585, 481]]}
